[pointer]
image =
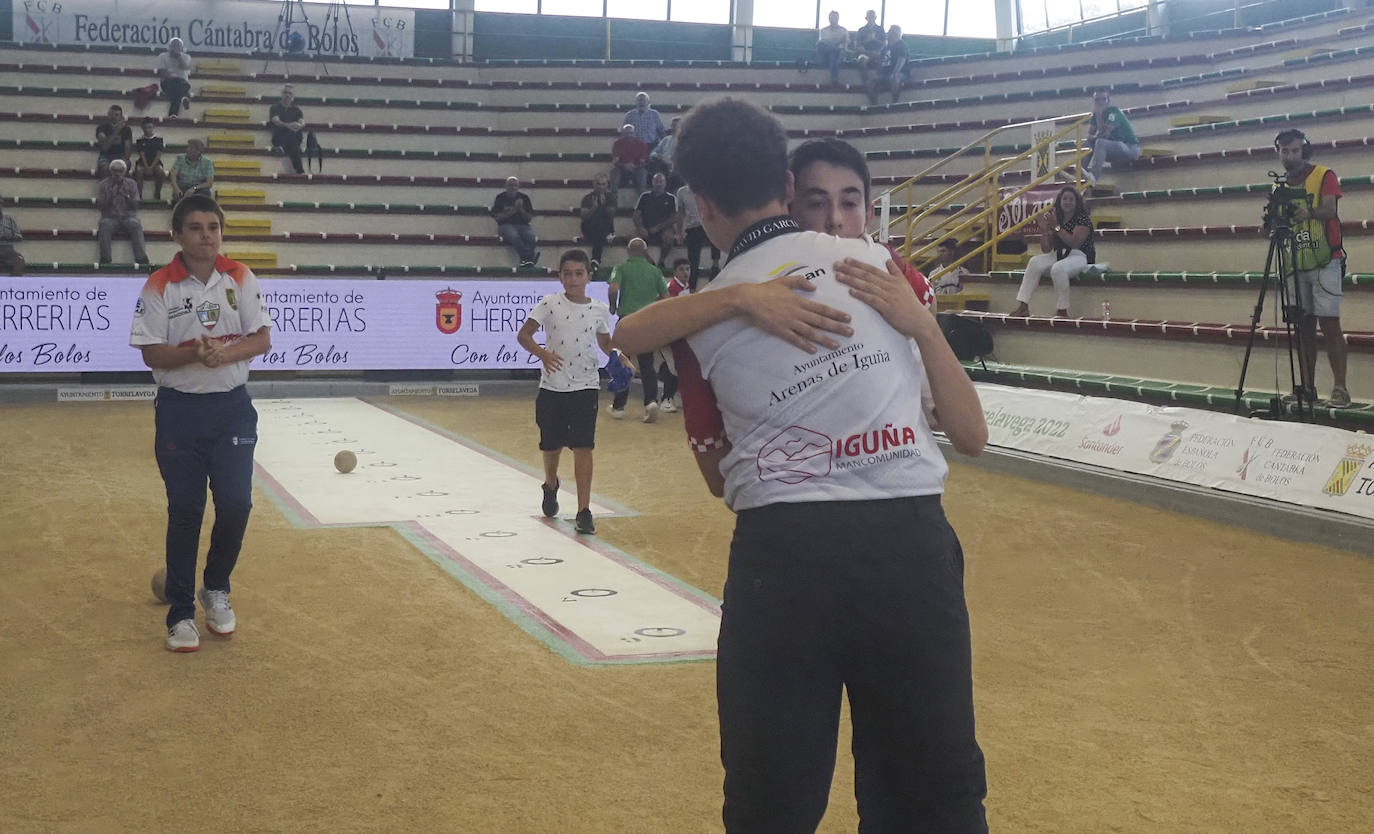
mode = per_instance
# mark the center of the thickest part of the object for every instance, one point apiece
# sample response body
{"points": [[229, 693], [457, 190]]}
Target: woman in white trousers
{"points": [[1066, 243]]}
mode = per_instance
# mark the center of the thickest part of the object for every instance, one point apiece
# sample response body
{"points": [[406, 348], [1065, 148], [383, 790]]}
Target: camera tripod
{"points": [[1279, 269], [292, 16]]}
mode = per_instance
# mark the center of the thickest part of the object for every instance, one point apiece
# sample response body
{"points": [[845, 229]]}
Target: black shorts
{"points": [[566, 418]]}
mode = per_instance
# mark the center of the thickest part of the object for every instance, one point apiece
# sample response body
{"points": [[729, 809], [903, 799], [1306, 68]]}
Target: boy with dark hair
{"points": [[574, 325], [199, 322], [948, 279], [149, 159], [844, 573]]}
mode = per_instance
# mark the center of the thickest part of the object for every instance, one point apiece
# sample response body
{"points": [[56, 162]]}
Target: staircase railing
{"points": [[973, 208]]}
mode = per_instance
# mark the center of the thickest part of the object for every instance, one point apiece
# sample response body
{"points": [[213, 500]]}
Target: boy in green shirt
{"points": [[634, 285]]}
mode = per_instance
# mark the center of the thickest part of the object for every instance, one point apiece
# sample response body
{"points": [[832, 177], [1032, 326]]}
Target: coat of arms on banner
{"points": [[1344, 475], [1169, 443], [448, 313]]}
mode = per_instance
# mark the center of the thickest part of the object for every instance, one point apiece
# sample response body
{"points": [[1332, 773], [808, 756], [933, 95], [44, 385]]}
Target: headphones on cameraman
{"points": [[1290, 135]]}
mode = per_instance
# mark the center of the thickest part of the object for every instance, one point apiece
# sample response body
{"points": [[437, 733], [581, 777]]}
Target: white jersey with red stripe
{"points": [[838, 425], [176, 308]]}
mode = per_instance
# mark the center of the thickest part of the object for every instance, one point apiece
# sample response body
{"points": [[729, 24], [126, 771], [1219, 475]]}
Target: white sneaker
{"points": [[219, 617], [617, 413], [651, 413], [183, 637], [668, 407]]}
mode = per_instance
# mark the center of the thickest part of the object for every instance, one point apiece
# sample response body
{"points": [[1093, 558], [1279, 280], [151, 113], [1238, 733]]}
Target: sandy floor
{"points": [[1135, 670]]}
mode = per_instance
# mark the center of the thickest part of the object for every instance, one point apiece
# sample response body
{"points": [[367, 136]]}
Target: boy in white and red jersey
{"points": [[199, 321], [844, 574]]}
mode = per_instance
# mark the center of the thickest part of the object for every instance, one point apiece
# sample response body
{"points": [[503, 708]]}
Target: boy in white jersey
{"points": [[575, 325], [844, 574], [199, 321]]}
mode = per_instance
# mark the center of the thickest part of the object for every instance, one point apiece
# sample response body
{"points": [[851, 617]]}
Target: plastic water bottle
{"points": [[1106, 311]]}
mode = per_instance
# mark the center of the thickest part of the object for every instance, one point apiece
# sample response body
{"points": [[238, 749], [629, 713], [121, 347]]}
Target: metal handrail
{"points": [[979, 213]]}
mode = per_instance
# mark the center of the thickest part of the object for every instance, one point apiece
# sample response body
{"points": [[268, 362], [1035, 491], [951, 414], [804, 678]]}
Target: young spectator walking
{"points": [[635, 284], [207, 427], [575, 326]]}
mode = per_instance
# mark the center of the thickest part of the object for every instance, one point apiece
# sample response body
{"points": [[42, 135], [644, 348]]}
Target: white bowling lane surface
{"points": [[476, 515]]}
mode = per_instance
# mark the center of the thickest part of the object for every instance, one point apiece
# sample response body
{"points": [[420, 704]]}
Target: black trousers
{"points": [[695, 239], [290, 141], [865, 597], [594, 231], [175, 89], [200, 439], [648, 375]]}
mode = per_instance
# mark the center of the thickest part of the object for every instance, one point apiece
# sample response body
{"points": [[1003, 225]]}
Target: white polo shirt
{"points": [[839, 425], [175, 308]]}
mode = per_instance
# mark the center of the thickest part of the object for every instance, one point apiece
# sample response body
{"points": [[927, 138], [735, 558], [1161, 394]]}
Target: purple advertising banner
{"points": [[71, 324]]}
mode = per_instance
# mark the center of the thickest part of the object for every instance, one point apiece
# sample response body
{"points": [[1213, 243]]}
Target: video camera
{"points": [[1283, 202]]}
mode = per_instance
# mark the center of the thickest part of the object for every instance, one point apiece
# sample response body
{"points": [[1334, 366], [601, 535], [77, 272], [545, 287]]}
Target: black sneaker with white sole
{"points": [[585, 523], [550, 505]]}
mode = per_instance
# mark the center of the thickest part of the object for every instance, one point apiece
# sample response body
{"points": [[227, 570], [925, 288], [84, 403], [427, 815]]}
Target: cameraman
{"points": [[1320, 263]]}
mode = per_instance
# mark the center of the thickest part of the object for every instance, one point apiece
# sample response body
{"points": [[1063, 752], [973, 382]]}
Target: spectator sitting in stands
{"points": [[831, 43], [869, 42], [148, 160], [598, 219], [891, 67], [656, 218], [287, 123], [661, 159], [118, 205], [1110, 137], [513, 213], [114, 139], [174, 67], [10, 260], [629, 156], [648, 123], [1066, 241], [948, 279], [193, 172], [693, 236]]}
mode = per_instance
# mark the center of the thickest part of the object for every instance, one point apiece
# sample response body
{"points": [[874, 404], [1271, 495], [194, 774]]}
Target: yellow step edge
{"points": [[217, 65], [237, 166], [248, 225], [228, 114], [962, 301], [1197, 119], [1148, 152], [1254, 84], [252, 259], [223, 90]]}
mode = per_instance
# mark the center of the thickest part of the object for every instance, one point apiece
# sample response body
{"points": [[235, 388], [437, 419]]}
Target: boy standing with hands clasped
{"points": [[199, 321], [574, 325]]}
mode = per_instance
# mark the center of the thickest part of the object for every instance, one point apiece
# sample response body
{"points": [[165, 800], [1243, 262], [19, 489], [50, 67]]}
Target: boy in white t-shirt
{"points": [[574, 325], [948, 279]]}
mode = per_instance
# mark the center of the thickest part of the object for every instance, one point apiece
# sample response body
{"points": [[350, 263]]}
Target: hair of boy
{"points": [[574, 255], [149, 120], [949, 243], [681, 262], [194, 202], [837, 152], [733, 153]]}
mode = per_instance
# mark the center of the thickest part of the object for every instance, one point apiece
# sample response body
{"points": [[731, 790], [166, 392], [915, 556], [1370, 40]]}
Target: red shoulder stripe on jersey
{"points": [[701, 416], [233, 269]]}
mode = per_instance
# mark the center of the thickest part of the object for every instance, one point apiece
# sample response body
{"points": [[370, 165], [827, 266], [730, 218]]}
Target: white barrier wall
{"points": [[1314, 466]]}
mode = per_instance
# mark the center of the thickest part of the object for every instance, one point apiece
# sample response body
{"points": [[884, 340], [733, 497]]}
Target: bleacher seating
{"points": [[416, 150]]}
